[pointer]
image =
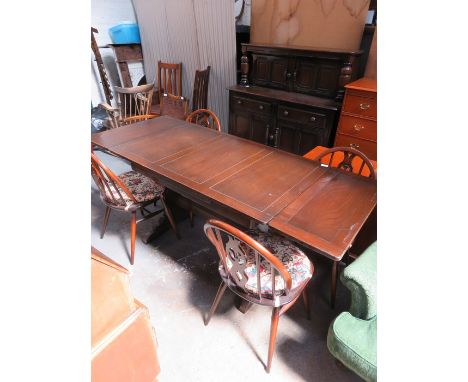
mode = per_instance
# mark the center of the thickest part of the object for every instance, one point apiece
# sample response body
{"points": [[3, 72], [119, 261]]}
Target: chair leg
{"points": [[273, 330], [132, 237], [305, 298], [219, 294], [333, 284], [170, 217], [104, 222]]}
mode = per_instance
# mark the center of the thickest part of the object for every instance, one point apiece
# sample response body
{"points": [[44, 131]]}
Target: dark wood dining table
{"points": [[319, 207]]}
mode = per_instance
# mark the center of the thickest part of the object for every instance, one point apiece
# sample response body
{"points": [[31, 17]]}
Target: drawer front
{"points": [[356, 103], [367, 147], [248, 104], [358, 127], [297, 115]]}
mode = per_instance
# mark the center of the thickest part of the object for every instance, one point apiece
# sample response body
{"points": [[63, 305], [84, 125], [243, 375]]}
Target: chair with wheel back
{"points": [[205, 118], [128, 192], [347, 159], [283, 277]]}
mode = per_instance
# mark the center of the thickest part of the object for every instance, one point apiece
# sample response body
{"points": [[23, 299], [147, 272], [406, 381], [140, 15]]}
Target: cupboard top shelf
{"points": [[281, 95]]}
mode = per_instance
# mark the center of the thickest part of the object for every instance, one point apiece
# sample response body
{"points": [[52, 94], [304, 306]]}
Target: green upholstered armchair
{"points": [[352, 336]]}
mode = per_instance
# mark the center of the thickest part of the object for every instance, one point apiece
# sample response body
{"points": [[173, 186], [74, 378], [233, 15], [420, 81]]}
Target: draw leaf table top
{"points": [[291, 194]]}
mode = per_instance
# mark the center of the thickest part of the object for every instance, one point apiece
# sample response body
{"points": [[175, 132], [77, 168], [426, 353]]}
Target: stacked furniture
{"points": [[290, 97], [352, 337], [358, 121], [123, 343]]}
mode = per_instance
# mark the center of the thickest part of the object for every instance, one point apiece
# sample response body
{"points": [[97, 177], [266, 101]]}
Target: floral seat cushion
{"points": [[142, 188], [295, 261]]}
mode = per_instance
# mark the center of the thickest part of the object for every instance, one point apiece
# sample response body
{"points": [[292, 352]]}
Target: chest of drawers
{"points": [[357, 126]]}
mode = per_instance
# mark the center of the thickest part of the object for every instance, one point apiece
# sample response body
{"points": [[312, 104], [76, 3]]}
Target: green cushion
{"points": [[354, 342], [361, 279]]}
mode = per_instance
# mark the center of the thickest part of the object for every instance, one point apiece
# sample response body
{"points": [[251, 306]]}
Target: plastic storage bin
{"points": [[125, 33]]}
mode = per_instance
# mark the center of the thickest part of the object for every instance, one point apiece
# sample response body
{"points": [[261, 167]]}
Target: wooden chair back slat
{"points": [[206, 118], [169, 79], [174, 106], [131, 102], [234, 247], [200, 89], [109, 185], [354, 161]]}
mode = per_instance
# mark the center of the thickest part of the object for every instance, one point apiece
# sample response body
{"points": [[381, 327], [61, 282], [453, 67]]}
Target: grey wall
{"points": [[197, 33]]}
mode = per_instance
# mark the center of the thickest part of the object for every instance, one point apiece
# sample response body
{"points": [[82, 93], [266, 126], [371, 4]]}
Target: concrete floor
{"points": [[177, 280]]}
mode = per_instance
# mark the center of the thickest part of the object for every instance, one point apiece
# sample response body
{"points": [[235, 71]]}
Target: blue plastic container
{"points": [[126, 32]]}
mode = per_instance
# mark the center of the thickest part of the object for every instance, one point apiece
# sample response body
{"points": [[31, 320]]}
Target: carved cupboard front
{"points": [[289, 98]]}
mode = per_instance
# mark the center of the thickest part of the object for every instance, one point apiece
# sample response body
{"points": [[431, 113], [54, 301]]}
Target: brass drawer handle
{"points": [[358, 127], [239, 102], [286, 112], [364, 106], [312, 119], [260, 107], [354, 145]]}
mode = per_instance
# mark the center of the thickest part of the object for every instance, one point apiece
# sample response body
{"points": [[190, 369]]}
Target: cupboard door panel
{"points": [[260, 129], [286, 137], [239, 124], [270, 71]]}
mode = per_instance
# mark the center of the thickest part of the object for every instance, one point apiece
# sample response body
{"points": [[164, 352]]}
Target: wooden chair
{"points": [[169, 77], [129, 192], [174, 106], [347, 159], [205, 118], [200, 89], [350, 160], [284, 271], [131, 102]]}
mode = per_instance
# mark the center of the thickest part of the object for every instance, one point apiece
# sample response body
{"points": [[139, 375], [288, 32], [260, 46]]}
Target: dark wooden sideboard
{"points": [[290, 97]]}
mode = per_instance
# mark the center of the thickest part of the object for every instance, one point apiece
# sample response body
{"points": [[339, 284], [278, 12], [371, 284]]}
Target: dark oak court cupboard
{"points": [[289, 97]]}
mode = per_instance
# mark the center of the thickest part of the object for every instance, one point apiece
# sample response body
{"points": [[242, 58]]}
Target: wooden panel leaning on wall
{"points": [[123, 343]]}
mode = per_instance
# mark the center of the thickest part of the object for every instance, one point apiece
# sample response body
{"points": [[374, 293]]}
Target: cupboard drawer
{"points": [[367, 147], [358, 127], [301, 116], [248, 104], [359, 104]]}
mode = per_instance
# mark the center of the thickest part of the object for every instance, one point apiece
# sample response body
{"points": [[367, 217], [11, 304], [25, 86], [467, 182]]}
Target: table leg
{"points": [[333, 284]]}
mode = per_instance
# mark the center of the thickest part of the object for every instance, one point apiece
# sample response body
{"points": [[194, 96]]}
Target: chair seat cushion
{"points": [[295, 261], [354, 342], [142, 188]]}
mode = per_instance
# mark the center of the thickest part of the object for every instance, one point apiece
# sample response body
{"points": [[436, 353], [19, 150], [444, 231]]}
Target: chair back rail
{"points": [[234, 247], [200, 89], [131, 102], [354, 161], [169, 79], [174, 106], [206, 118], [109, 184]]}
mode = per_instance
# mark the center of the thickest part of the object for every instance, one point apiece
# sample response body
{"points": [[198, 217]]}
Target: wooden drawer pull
{"points": [[286, 112], [364, 106], [260, 107], [312, 119], [358, 127], [239, 102]]}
